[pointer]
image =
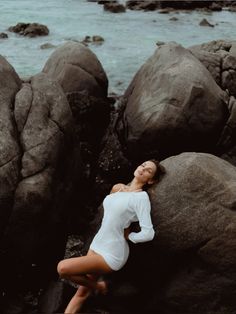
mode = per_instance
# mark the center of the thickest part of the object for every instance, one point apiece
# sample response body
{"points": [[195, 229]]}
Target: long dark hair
{"points": [[160, 171]]}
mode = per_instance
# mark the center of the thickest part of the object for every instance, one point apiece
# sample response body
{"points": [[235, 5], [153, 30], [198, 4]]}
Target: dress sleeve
{"points": [[142, 208]]}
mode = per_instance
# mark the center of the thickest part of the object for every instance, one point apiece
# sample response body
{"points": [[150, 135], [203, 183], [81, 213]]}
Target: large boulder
{"points": [[10, 150], [46, 187], [77, 69], [81, 75], [194, 212], [172, 105], [189, 267]]}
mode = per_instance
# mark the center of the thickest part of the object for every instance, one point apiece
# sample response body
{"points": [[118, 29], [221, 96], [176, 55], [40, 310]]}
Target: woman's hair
{"points": [[160, 169]]}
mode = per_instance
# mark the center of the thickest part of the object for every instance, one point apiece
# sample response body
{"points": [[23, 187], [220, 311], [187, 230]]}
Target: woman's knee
{"points": [[62, 269]]}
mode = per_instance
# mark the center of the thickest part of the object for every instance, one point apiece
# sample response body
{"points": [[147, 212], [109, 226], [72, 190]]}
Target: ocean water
{"points": [[130, 37]]}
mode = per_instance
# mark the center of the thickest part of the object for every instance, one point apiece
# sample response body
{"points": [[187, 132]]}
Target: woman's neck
{"points": [[134, 185]]}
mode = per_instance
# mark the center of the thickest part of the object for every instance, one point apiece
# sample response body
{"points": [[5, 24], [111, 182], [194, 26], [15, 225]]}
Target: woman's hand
{"points": [[126, 233]]}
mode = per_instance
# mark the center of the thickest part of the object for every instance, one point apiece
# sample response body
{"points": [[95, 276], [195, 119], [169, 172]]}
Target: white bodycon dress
{"points": [[120, 210]]}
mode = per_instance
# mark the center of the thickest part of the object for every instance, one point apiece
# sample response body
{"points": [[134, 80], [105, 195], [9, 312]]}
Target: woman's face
{"points": [[145, 171]]}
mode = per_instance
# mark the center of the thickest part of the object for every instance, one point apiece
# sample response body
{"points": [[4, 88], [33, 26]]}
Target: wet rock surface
{"points": [[30, 29]]}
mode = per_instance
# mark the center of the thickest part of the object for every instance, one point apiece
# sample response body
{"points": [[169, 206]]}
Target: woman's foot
{"points": [[102, 287]]}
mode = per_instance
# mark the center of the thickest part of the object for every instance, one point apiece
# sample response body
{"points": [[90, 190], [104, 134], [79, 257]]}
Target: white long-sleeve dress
{"points": [[120, 210]]}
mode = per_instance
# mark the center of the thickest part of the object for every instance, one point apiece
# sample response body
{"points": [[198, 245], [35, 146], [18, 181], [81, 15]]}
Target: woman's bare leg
{"points": [[78, 299], [75, 270], [83, 265]]}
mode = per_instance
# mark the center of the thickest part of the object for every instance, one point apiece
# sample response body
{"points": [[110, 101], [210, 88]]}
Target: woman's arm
{"points": [[143, 211], [126, 233]]}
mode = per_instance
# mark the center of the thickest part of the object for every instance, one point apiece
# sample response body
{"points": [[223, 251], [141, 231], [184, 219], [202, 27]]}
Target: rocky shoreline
{"points": [[64, 143], [166, 6]]}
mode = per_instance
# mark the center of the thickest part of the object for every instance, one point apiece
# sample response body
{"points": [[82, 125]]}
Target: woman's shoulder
{"points": [[117, 187], [143, 194], [139, 200], [140, 196]]}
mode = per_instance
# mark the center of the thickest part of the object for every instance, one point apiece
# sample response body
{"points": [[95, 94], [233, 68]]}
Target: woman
{"points": [[109, 249]]}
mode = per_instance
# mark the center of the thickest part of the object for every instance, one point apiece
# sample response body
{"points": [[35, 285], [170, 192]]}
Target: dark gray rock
{"points": [[172, 105], [10, 149], [30, 29], [48, 185], [165, 10], [147, 5], [160, 43], [96, 39], [204, 22], [114, 7], [47, 46], [55, 297], [106, 1], [186, 5], [77, 69], [232, 9], [211, 60], [228, 136], [84, 81], [219, 57], [164, 4], [92, 116], [229, 72], [3, 35], [174, 18], [215, 46], [197, 221], [215, 6]]}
